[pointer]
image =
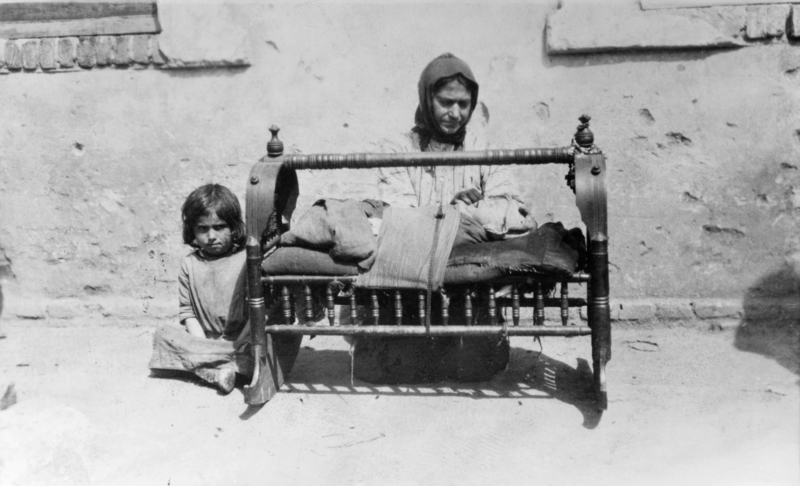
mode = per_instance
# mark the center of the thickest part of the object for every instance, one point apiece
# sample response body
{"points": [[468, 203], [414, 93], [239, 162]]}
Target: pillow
{"points": [[292, 260], [341, 227]]}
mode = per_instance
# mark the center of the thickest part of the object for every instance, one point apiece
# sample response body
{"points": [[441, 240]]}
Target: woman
{"points": [[448, 96]]}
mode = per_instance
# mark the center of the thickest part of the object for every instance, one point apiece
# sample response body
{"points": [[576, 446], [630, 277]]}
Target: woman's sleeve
{"points": [[501, 180], [496, 180], [395, 184], [185, 310]]}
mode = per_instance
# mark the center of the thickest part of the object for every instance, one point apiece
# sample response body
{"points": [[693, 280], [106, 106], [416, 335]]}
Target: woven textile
{"points": [[551, 249], [405, 245]]}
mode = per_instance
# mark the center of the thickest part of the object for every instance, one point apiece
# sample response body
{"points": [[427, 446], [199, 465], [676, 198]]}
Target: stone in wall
{"points": [[103, 50], [674, 310], [794, 23], [13, 55], [766, 21], [85, 54], [122, 51], [47, 54], [579, 28], [53, 53], [636, 311], [30, 54], [141, 48], [710, 309], [66, 52]]}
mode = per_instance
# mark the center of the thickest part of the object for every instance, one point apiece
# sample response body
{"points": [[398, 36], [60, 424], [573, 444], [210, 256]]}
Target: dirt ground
{"points": [[687, 406]]}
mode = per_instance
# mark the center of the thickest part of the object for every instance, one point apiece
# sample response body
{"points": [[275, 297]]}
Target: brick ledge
{"points": [[630, 311]]}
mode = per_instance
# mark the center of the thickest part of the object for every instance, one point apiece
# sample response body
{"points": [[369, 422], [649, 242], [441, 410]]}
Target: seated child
{"points": [[211, 337]]}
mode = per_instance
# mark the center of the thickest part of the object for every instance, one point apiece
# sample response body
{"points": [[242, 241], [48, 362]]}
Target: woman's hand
{"points": [[468, 196]]}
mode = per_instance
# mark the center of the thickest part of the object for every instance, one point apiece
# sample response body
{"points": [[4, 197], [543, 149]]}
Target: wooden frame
{"points": [[273, 188]]}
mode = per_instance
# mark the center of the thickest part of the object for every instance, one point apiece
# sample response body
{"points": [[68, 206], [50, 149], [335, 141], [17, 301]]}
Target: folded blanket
{"points": [[550, 249]]}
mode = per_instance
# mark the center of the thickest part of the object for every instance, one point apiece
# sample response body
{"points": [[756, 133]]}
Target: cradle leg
{"points": [[492, 307], [515, 304], [261, 388], [309, 303], [353, 308], [538, 305], [375, 307], [286, 305], [445, 308], [564, 303], [421, 298], [599, 318], [273, 356], [468, 306], [331, 306], [398, 308], [600, 391]]}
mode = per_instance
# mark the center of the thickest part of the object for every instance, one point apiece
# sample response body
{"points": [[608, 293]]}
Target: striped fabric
{"points": [[405, 244]]}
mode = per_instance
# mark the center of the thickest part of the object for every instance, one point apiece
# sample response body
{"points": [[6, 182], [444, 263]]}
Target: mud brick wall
{"points": [[102, 137]]}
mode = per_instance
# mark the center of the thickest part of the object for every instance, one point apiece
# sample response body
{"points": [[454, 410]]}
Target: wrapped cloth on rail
{"points": [[410, 242]]}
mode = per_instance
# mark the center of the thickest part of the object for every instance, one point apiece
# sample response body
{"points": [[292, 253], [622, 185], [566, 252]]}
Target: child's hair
{"points": [[217, 198]]}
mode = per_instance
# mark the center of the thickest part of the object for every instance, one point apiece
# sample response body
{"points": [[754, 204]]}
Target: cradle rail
{"points": [[432, 331], [273, 190], [530, 156]]}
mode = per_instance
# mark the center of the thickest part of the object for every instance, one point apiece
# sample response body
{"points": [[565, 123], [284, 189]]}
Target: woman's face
{"points": [[451, 106]]}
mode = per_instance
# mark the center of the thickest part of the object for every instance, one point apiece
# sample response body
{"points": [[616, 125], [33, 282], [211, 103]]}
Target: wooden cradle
{"points": [[273, 185]]}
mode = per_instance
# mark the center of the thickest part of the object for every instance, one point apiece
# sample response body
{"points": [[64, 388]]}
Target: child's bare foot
{"points": [[227, 379], [224, 379]]}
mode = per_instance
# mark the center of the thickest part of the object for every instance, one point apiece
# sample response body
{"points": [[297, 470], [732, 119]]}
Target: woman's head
{"points": [[448, 94], [212, 220], [451, 104]]}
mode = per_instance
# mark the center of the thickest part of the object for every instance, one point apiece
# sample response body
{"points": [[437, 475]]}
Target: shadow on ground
{"points": [[771, 322], [191, 378], [530, 375]]}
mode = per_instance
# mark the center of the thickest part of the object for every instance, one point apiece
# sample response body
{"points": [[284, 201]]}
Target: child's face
{"points": [[213, 235]]}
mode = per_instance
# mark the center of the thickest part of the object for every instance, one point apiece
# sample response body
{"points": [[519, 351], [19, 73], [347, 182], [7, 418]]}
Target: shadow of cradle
{"points": [[328, 372]]}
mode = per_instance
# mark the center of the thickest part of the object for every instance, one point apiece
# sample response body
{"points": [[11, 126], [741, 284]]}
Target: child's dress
{"points": [[212, 290]]}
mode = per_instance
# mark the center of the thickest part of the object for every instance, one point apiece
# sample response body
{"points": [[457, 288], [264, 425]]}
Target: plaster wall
{"points": [[702, 146]]}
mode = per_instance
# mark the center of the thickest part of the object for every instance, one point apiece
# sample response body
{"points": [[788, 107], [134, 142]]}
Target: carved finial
{"points": [[274, 146], [584, 137]]}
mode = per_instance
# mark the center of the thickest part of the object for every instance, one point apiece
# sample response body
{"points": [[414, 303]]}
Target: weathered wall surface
{"points": [[702, 145]]}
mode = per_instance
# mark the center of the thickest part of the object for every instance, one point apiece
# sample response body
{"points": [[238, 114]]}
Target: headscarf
{"points": [[443, 68]]}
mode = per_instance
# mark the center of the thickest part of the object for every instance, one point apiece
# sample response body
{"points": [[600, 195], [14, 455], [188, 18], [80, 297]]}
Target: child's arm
{"points": [[186, 312], [193, 327]]}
